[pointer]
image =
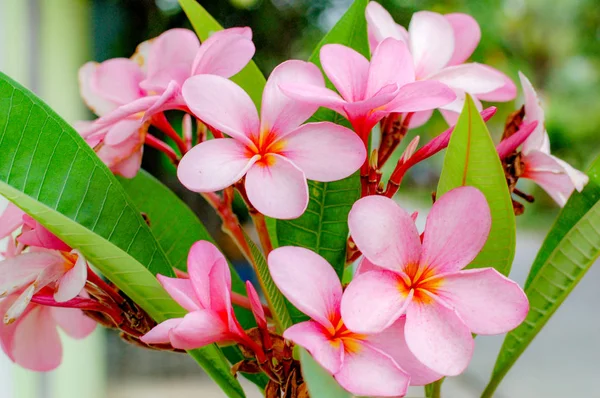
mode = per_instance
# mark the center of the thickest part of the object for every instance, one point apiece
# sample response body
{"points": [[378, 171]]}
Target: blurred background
{"points": [[557, 45]]}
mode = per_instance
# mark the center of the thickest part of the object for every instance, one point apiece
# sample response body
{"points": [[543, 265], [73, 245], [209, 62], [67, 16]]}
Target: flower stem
{"points": [[258, 219], [160, 122], [162, 146], [394, 130], [105, 287]]}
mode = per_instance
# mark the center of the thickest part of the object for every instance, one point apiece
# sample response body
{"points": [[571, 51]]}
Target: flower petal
{"points": [[315, 339], [507, 92], [431, 42], [199, 329], [281, 114], [466, 36], [486, 301], [160, 334], [420, 118], [205, 263], [382, 25], [473, 78], [533, 113], [325, 151], [19, 271], [214, 165], [182, 291], [391, 63], [369, 371], [438, 338], [35, 234], [225, 53], [308, 281], [73, 281], [457, 228], [74, 322], [129, 166], [374, 301], [121, 131], [256, 306], [279, 189], [549, 174], [421, 96], [347, 69], [221, 104], [384, 232], [317, 95], [10, 220], [96, 102], [117, 80]]}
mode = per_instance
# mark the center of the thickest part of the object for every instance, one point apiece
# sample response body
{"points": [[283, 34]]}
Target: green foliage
{"points": [[569, 250], [323, 228], [319, 382], [53, 175], [471, 159]]}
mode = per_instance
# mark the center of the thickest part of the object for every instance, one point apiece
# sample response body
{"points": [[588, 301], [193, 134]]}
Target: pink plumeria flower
{"points": [[129, 94], [440, 44], [558, 178], [424, 280], [32, 341], [11, 219], [370, 90], [207, 297], [276, 154], [373, 365]]}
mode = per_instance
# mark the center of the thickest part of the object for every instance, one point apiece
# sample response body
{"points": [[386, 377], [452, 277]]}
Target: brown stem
{"points": [[395, 129]]}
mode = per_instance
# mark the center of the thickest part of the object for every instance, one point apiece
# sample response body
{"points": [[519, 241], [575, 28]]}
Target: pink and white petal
{"points": [[347, 69], [365, 266], [173, 48], [382, 25], [545, 171], [473, 78], [533, 113], [220, 286], [74, 322], [221, 104], [73, 281], [95, 101], [121, 131], [10, 220], [199, 329], [7, 332], [129, 166], [281, 114], [457, 227], [431, 42], [486, 301], [214, 165], [438, 337], [363, 115], [225, 53], [466, 36], [370, 372], [308, 281], [421, 96], [19, 271], [374, 301], [325, 151], [393, 342], [391, 63], [314, 95], [160, 334], [418, 119], [182, 291], [256, 306], [203, 259], [384, 232], [279, 189], [118, 80], [579, 178], [316, 340], [507, 92], [35, 234]]}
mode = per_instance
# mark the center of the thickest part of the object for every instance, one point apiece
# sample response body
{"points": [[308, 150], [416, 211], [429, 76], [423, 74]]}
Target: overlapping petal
{"points": [[431, 42], [466, 36], [316, 340], [347, 69]]}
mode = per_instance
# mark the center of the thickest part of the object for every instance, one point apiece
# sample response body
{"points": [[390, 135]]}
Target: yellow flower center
{"points": [[421, 280]]}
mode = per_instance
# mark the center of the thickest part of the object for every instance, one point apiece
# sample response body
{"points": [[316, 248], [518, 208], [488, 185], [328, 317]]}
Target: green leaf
{"points": [[319, 382], [569, 250], [52, 174], [471, 159], [250, 78], [323, 228]]}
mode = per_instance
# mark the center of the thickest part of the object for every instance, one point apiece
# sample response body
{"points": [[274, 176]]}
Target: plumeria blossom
{"points": [[440, 44], [373, 365], [130, 94], [368, 91], [558, 178], [276, 153], [11, 219], [206, 295], [424, 281]]}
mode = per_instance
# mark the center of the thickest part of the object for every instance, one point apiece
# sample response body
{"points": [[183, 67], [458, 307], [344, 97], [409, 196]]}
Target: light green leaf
{"points": [[323, 228], [569, 250], [250, 78], [51, 173], [319, 382], [471, 159]]}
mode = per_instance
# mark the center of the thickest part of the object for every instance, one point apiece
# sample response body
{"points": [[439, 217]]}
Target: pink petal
{"points": [[466, 36], [19, 271], [533, 113], [181, 291], [486, 301], [35, 234], [214, 165], [199, 329], [578, 178], [473, 78], [160, 334], [316, 95], [418, 119], [205, 264], [391, 63], [369, 371], [507, 92], [365, 266], [7, 332], [384, 232], [431, 42], [347, 69], [457, 228], [549, 174], [96, 102], [325, 151], [74, 322], [121, 131], [10, 219], [382, 25], [118, 80], [256, 306], [421, 96], [222, 104], [364, 115], [130, 166], [73, 281], [225, 53], [393, 342], [316, 340], [308, 281], [374, 301], [438, 338], [279, 189], [280, 114]]}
